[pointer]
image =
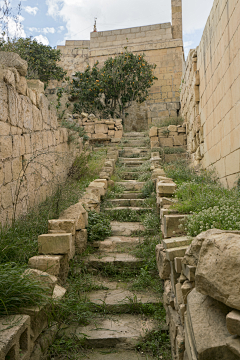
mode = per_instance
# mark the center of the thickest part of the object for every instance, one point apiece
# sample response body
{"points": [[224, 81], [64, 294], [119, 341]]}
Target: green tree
{"points": [[113, 88], [42, 60]]}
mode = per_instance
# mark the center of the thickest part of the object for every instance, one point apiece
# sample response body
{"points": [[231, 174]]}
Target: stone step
{"points": [[117, 243], [130, 175], [130, 209], [175, 242], [132, 161], [128, 202], [130, 152], [126, 228], [116, 354], [121, 331], [117, 260], [135, 143], [131, 185], [121, 300], [131, 195], [133, 134]]}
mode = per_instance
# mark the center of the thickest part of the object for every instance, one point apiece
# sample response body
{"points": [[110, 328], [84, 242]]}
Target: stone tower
{"points": [[177, 19]]}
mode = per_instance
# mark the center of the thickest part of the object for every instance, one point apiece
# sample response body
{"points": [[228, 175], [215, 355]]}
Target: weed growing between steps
{"points": [[99, 226], [201, 195], [175, 120], [114, 192], [19, 241]]}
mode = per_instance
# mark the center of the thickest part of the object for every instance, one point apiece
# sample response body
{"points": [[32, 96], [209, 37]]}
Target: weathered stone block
{"points": [[78, 213], [175, 252], [153, 131], [101, 128], [56, 244], [175, 242], [166, 141], [217, 269], [36, 85], [11, 59], [165, 188], [186, 288], [81, 241], [56, 265], [178, 264], [205, 328], [163, 263], [61, 225], [15, 341], [233, 322], [172, 128], [171, 225]]}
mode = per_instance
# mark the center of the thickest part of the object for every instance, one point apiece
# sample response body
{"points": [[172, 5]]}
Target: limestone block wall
{"points": [[34, 151], [210, 94], [162, 45]]}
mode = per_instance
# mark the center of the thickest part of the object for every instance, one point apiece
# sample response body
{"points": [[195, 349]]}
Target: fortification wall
{"points": [[210, 94], [34, 152], [162, 45]]}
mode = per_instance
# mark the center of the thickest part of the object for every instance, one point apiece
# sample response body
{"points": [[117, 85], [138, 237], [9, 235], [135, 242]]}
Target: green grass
{"points": [[176, 120], [201, 195], [18, 290]]}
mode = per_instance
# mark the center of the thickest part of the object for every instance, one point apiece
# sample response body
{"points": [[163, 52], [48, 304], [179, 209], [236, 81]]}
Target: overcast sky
{"points": [[54, 21]]}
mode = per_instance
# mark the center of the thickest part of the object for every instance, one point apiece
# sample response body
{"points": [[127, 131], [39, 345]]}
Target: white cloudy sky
{"points": [[54, 21]]}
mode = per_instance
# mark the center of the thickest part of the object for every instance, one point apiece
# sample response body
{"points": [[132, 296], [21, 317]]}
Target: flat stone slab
{"points": [[132, 208], [117, 243], [128, 202], [131, 184], [116, 259], [120, 299], [177, 242], [123, 331], [125, 228], [110, 354], [131, 195], [133, 134], [176, 252]]}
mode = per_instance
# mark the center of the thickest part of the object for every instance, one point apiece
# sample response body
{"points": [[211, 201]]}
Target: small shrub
{"points": [[148, 189], [79, 167], [99, 226]]}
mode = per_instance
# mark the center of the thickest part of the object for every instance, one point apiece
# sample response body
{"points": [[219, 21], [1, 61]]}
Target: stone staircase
{"points": [[115, 335]]}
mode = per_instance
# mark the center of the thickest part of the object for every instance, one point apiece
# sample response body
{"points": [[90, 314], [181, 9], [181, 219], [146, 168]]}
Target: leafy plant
{"points": [[112, 89], [99, 226], [42, 59]]}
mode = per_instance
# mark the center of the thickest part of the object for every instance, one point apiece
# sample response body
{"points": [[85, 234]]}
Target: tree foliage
{"points": [[42, 60], [113, 88]]}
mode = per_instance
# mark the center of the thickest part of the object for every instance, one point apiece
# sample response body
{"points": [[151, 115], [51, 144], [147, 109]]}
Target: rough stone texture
{"points": [[163, 263], [171, 225], [78, 213], [55, 244], [13, 60], [119, 331], [66, 226], [34, 149], [126, 228], [56, 265], [15, 341], [205, 328], [218, 263], [233, 343], [106, 354], [80, 241], [233, 322], [176, 242]]}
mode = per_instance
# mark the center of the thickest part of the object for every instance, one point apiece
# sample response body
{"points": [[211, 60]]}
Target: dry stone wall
{"points": [[210, 95], [162, 45], [34, 151]]}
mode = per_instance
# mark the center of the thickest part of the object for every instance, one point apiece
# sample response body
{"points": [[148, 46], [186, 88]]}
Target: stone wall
{"points": [[34, 151], [162, 45], [210, 94]]}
